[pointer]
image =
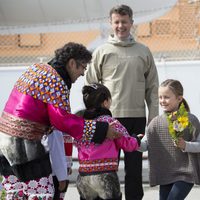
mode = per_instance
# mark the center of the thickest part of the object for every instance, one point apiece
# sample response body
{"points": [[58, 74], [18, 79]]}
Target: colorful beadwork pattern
{"points": [[89, 130], [23, 128], [42, 82], [88, 133], [100, 165]]}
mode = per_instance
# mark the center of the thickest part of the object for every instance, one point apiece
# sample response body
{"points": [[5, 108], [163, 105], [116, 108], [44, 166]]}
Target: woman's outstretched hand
{"points": [[112, 133]]}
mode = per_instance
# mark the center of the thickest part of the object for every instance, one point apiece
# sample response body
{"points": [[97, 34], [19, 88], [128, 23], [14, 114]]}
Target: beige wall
{"points": [[41, 44], [177, 30]]}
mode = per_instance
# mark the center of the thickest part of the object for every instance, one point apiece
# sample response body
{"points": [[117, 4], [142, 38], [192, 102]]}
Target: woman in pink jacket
{"points": [[99, 163], [38, 101]]}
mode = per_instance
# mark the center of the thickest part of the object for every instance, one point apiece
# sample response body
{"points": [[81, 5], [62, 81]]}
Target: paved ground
{"points": [[149, 193]]}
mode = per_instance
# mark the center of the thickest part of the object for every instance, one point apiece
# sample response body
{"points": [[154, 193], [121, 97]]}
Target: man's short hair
{"points": [[122, 10]]}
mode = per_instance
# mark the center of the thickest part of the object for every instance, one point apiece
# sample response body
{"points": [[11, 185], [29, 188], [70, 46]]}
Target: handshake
{"points": [[138, 137]]}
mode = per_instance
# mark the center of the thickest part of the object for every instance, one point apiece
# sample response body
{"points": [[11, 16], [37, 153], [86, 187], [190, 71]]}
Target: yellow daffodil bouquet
{"points": [[178, 121]]}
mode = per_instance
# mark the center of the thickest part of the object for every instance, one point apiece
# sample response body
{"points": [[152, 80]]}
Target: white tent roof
{"points": [[28, 16]]}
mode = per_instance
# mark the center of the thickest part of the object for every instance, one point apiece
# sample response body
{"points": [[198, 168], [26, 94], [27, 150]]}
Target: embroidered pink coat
{"points": [[96, 158]]}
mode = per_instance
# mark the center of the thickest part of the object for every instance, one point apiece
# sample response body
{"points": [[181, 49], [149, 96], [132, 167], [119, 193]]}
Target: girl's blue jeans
{"points": [[175, 191]]}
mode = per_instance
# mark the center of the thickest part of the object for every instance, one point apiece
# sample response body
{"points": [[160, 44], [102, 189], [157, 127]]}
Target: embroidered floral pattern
{"points": [[12, 179], [41, 189], [33, 184], [43, 181]]}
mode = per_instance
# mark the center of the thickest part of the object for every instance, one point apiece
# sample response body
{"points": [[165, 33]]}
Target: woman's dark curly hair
{"points": [[72, 50]]}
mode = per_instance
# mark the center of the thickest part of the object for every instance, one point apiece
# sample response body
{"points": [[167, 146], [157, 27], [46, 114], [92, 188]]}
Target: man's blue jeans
{"points": [[175, 191]]}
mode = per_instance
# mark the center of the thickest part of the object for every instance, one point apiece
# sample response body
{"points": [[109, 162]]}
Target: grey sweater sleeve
{"points": [[143, 145], [193, 147]]}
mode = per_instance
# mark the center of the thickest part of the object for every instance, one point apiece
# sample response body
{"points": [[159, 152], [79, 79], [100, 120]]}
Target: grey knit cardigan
{"points": [[167, 163]]}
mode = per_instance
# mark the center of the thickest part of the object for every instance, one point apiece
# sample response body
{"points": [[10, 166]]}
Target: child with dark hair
{"points": [[97, 177]]}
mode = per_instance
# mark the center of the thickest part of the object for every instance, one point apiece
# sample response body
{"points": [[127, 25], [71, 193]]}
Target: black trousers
{"points": [[57, 191], [133, 160], [56, 185]]}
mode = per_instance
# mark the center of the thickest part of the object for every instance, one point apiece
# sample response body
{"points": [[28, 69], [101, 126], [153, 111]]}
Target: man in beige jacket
{"points": [[127, 68]]}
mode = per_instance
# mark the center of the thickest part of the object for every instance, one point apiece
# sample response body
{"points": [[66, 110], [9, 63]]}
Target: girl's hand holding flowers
{"points": [[180, 143]]}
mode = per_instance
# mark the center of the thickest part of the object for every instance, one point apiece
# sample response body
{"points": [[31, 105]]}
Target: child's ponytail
{"points": [[186, 105]]}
